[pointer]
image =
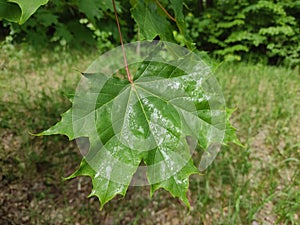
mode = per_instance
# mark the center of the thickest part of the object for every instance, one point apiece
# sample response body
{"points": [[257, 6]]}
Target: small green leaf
{"points": [[151, 20], [9, 11], [28, 7]]}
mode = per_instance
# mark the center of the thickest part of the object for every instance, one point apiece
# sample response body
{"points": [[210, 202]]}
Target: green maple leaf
{"points": [[151, 20], [145, 124]]}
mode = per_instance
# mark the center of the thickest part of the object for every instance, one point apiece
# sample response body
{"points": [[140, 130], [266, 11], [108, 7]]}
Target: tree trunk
{"points": [[210, 3], [200, 7]]}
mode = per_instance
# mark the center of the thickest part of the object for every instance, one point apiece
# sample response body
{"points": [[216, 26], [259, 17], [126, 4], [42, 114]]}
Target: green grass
{"points": [[265, 175], [258, 183]]}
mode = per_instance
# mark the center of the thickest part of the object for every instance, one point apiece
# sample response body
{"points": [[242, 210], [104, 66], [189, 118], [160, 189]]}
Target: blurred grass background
{"points": [[258, 184]]}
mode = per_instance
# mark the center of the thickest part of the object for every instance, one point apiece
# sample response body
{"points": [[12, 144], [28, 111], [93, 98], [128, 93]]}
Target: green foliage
{"points": [[91, 22], [261, 29], [153, 21], [19, 11], [73, 23]]}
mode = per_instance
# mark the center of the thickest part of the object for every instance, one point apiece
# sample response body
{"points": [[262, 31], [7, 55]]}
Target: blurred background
{"points": [[254, 46]]}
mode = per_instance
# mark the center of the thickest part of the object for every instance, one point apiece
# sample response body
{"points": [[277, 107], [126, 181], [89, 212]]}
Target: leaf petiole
{"points": [[165, 11], [129, 77]]}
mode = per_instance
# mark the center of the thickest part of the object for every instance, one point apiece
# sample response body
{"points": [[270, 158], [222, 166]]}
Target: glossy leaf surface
{"points": [[151, 125]]}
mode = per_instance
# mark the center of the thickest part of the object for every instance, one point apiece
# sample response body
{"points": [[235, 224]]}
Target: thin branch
{"points": [[129, 77], [165, 11]]}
